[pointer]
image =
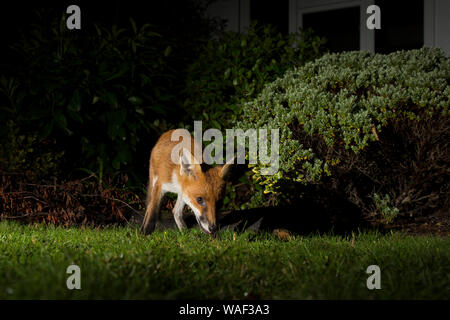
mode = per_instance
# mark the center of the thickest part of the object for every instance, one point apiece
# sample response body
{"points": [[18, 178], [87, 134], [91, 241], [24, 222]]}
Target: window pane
{"points": [[340, 27], [271, 12], [401, 26]]}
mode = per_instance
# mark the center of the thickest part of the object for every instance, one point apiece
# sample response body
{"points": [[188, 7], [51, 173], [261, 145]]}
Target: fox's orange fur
{"points": [[201, 189]]}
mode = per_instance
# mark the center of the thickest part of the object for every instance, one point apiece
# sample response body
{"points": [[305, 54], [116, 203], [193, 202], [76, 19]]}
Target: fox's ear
{"points": [[226, 168], [187, 165]]}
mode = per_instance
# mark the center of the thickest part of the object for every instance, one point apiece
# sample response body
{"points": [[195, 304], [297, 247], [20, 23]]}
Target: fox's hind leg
{"points": [[154, 197]]}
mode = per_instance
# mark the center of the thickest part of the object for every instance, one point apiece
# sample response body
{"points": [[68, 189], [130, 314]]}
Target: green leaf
{"points": [[110, 98], [75, 102], [227, 73], [159, 108], [135, 100], [47, 130], [133, 25], [118, 74], [60, 119], [167, 51], [75, 116]]}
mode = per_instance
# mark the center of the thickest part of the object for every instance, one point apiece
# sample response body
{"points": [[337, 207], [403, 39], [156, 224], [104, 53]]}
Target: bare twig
{"points": [[31, 214], [109, 198]]}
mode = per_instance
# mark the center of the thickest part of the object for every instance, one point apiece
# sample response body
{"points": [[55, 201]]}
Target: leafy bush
{"points": [[96, 92], [360, 124], [27, 153], [235, 67], [385, 208]]}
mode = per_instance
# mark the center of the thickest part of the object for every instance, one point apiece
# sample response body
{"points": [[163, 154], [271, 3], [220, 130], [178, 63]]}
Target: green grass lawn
{"points": [[120, 263]]}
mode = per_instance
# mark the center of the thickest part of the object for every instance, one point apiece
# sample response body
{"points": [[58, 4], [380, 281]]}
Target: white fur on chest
{"points": [[172, 186]]}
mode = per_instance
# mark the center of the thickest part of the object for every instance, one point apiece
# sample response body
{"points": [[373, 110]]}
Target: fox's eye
{"points": [[200, 201]]}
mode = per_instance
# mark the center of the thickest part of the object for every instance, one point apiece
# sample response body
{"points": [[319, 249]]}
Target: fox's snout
{"points": [[207, 226], [213, 228]]}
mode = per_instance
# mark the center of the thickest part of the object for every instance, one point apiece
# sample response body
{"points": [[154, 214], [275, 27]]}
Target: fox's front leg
{"points": [[152, 211], [178, 213]]}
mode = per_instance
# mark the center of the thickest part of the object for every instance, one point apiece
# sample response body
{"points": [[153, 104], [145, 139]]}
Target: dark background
{"points": [[169, 16], [401, 21]]}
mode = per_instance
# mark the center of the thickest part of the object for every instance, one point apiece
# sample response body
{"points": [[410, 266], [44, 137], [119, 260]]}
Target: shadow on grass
{"points": [[333, 215], [306, 217]]}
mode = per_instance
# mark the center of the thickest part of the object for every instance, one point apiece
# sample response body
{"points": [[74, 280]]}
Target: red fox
{"points": [[201, 189]]}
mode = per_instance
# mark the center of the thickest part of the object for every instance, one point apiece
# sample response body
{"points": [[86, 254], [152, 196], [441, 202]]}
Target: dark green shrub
{"points": [[235, 67], [20, 152], [97, 92], [370, 127]]}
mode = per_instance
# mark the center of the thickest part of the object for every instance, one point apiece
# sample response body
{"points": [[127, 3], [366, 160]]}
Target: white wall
{"points": [[437, 24]]}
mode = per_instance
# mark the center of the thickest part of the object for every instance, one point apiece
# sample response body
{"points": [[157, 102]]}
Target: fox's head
{"points": [[203, 190]]}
